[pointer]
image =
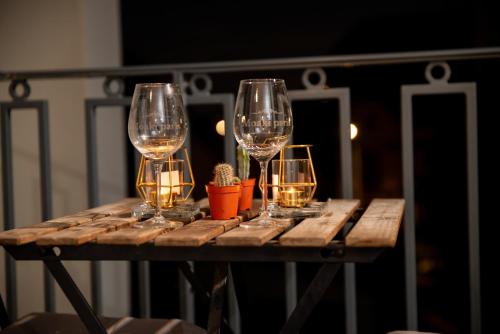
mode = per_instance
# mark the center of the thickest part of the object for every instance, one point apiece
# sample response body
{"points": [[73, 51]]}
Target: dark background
{"points": [[169, 32]]}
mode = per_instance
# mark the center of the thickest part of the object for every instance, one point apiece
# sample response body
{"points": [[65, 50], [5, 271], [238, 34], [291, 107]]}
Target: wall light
{"points": [[220, 128], [354, 131]]}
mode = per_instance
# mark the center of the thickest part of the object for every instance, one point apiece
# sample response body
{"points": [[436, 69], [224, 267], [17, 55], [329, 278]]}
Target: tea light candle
{"points": [[292, 198], [170, 179]]}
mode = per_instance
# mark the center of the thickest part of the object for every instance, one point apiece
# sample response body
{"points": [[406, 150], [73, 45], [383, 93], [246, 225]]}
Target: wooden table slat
{"points": [[67, 221], [71, 236], [252, 236], [131, 236], [318, 232], [115, 209], [379, 225], [112, 223], [201, 231], [119, 208], [197, 233], [228, 224], [86, 232], [21, 236]]}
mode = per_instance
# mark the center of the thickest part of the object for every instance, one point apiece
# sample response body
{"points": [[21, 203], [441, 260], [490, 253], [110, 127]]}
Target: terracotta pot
{"points": [[246, 198], [223, 201]]}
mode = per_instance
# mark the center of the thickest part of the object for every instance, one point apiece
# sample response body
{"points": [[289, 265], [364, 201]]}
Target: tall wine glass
{"points": [[157, 127], [262, 124]]}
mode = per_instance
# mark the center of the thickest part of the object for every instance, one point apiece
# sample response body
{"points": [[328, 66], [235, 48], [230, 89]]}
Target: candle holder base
{"points": [[312, 209], [185, 212], [141, 210]]}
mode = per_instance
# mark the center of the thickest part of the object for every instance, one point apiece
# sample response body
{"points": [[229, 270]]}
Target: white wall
{"points": [[57, 34]]}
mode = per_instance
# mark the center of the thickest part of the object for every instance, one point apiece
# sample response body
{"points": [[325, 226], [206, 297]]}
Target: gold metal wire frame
{"points": [[141, 184], [282, 185]]}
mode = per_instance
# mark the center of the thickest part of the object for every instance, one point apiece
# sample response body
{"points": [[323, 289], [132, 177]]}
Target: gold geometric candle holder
{"points": [[293, 180], [175, 188]]}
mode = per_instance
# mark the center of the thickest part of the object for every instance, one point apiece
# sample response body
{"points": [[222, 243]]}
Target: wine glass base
{"points": [[260, 222], [159, 222]]}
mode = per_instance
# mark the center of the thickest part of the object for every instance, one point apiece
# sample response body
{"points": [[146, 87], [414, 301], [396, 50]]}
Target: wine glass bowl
{"points": [[157, 127], [262, 124], [157, 123]]}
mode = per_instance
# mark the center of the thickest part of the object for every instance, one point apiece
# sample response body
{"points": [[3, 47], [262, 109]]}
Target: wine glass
{"points": [[157, 127], [262, 124]]}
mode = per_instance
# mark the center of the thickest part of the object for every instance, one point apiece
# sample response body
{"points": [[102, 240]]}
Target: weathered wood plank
{"points": [[189, 236], [131, 236], [228, 224], [197, 233], [71, 236], [111, 223], [248, 214], [88, 216], [68, 221], [117, 208], [84, 233], [379, 225], [201, 231], [252, 236], [21, 236], [318, 232]]}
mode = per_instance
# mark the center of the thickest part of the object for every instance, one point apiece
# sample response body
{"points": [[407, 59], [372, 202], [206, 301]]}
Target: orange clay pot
{"points": [[223, 200], [246, 198]]}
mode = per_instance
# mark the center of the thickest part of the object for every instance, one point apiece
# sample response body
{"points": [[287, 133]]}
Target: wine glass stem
{"points": [[158, 164], [263, 177]]}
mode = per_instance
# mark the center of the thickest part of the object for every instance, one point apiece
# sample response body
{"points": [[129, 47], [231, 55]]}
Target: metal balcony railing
{"points": [[308, 69]]}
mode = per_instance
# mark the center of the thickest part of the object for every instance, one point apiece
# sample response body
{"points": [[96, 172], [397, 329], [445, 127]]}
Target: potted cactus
{"points": [[247, 185], [223, 193]]}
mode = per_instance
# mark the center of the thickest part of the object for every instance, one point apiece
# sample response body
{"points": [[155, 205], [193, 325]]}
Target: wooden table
{"points": [[107, 233]]}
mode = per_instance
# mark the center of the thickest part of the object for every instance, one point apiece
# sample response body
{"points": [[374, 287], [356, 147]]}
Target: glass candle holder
{"points": [[177, 181], [172, 183], [292, 182], [171, 176]]}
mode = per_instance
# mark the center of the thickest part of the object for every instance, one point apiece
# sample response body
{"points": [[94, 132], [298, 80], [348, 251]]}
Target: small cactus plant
{"points": [[223, 193], [243, 163], [224, 175]]}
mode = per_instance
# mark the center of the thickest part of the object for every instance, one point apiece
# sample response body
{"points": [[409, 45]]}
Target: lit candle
{"points": [[170, 180], [292, 198]]}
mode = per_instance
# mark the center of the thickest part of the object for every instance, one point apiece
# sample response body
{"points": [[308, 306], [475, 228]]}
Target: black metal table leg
{"points": [[200, 291], [217, 297], [241, 284], [4, 316], [185, 268], [311, 297], [75, 296]]}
